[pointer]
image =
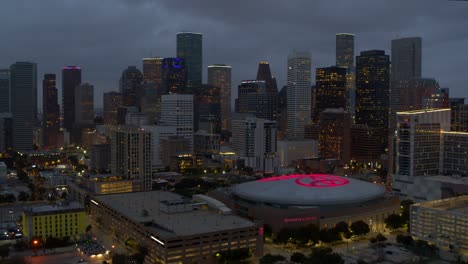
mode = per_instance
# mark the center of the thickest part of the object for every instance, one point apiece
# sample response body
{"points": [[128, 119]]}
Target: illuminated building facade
{"points": [[264, 73], [59, 221], [335, 135], [177, 229], [298, 94], [330, 88], [112, 102], [207, 107], [174, 76], [459, 118], [345, 59], [189, 48], [152, 70], [255, 99], [50, 111], [442, 222], [219, 75], [71, 77], [455, 153]]}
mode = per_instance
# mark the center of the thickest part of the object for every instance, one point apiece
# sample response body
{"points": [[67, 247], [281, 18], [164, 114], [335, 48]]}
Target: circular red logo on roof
{"points": [[311, 180]]}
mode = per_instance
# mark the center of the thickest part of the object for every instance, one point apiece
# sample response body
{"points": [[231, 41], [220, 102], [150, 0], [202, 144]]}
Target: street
{"points": [[64, 258]]}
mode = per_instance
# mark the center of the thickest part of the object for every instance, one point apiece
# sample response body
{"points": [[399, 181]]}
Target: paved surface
{"points": [[64, 258]]}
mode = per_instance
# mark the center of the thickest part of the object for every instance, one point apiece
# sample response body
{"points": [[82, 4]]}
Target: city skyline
{"points": [[103, 63]]}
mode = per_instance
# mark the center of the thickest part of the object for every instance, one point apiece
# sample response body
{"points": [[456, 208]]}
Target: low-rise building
{"points": [[67, 219], [176, 229], [442, 222]]}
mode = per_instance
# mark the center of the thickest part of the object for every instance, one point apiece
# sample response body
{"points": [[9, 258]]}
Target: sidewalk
{"points": [[41, 252]]}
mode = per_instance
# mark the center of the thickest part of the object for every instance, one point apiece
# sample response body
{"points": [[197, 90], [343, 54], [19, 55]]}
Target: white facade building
{"points": [[177, 111], [299, 94]]}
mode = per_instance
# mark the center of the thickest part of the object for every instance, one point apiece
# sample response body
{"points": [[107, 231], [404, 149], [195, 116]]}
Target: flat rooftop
{"points": [[38, 209], [145, 207], [456, 204]]}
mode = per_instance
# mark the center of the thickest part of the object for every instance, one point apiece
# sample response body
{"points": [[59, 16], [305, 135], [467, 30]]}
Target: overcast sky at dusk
{"points": [[105, 36]]}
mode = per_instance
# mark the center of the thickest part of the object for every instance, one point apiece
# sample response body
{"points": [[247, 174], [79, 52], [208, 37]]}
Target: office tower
{"points": [[335, 135], [23, 83], [132, 154], [255, 142], [130, 85], [174, 76], [264, 73], [189, 48], [6, 132], [50, 111], [282, 115], [345, 50], [419, 141], [71, 77], [459, 114], [84, 104], [254, 98], [298, 94], [372, 88], [111, 104], [331, 88], [219, 75], [206, 144], [406, 58], [177, 111], [5, 95], [455, 149], [366, 145], [207, 107], [152, 70]]}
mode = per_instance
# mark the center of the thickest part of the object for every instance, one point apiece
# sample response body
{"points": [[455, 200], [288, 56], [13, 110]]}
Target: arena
{"points": [[301, 199]]}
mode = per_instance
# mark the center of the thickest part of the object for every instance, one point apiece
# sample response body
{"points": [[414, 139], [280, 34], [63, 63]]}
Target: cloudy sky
{"points": [[105, 36]]}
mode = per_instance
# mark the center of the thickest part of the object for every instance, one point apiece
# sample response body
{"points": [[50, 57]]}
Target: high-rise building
{"points": [[254, 98], [50, 111], [111, 104], [459, 119], [219, 75], [84, 104], [152, 70], [331, 88], [132, 154], [207, 107], [406, 58], [130, 85], [366, 144], [298, 94], [345, 50], [174, 76], [177, 111], [372, 88], [23, 83], [71, 77], [255, 142], [264, 73], [189, 48], [282, 115], [335, 135], [6, 132], [455, 149], [5, 96]]}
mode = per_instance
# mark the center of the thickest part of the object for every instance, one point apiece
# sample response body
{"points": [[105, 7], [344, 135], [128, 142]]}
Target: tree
{"points": [[424, 249], [380, 238], [342, 227], [271, 259], [298, 257], [324, 256], [23, 196], [394, 222], [232, 256], [405, 240], [330, 235], [359, 228], [4, 251], [405, 206]]}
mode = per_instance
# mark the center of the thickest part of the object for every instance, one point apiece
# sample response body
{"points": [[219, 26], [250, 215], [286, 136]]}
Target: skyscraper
{"points": [[298, 94], [50, 111], [372, 88], [345, 50], [264, 73], [152, 70], [174, 76], [23, 81], [335, 135], [406, 58], [111, 104], [254, 98], [130, 85], [5, 96], [84, 104], [177, 111], [219, 75], [189, 48], [207, 109], [330, 88], [71, 77]]}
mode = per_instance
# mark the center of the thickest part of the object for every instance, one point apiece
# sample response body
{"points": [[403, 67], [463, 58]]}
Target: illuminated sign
{"points": [[311, 180], [299, 219], [261, 231]]}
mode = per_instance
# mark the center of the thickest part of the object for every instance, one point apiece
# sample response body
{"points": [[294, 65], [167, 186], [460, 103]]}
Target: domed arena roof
{"points": [[309, 190]]}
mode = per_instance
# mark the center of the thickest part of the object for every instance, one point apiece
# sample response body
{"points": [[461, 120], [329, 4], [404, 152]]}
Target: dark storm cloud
{"points": [[105, 36]]}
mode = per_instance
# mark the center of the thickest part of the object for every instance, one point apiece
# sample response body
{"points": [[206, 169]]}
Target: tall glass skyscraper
{"points": [[189, 48], [152, 68], [345, 50], [406, 58], [130, 85], [5, 96], [174, 76], [331, 88], [298, 94], [71, 77], [51, 111], [23, 103], [219, 75]]}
